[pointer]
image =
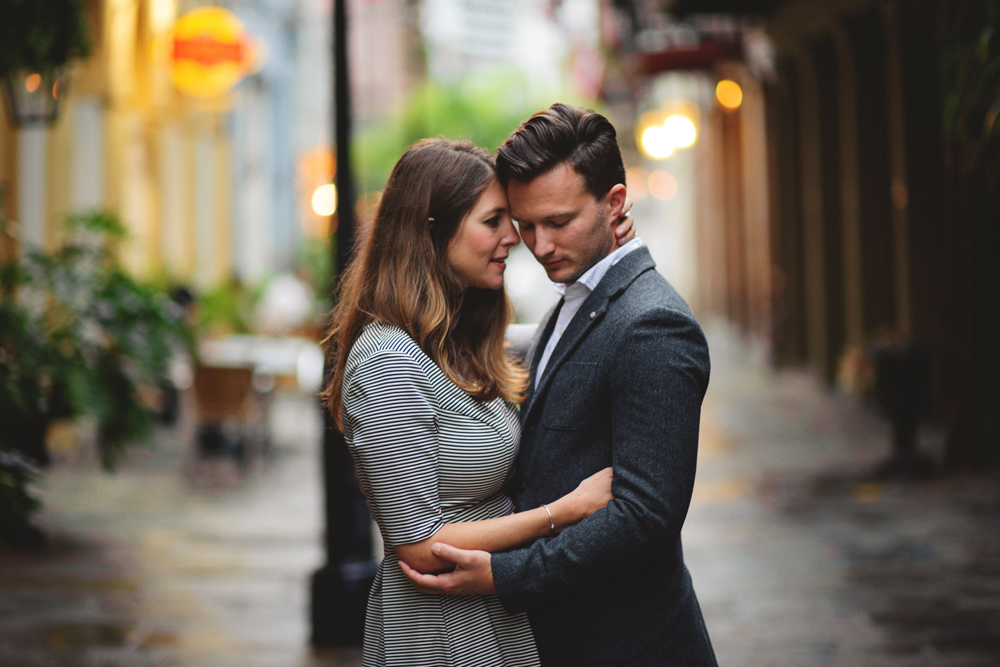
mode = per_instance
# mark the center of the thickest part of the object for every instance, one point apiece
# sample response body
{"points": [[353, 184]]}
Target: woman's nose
{"points": [[510, 238]]}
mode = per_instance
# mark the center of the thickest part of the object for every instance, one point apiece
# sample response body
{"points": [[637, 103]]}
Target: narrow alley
{"points": [[799, 557]]}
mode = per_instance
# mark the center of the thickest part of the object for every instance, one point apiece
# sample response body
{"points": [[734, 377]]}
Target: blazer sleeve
{"points": [[658, 377]]}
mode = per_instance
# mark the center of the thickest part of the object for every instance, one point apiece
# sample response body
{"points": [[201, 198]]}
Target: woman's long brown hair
{"points": [[401, 276]]}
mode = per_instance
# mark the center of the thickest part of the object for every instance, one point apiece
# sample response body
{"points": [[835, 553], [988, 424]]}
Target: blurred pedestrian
{"points": [[619, 368], [426, 396]]}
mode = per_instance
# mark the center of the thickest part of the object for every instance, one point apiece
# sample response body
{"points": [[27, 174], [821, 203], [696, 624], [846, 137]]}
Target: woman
{"points": [[425, 396]]}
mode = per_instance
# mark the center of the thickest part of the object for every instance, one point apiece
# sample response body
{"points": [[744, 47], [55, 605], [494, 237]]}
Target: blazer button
{"points": [[521, 487]]}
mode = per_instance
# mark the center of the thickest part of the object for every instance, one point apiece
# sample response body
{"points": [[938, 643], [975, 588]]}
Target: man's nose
{"points": [[544, 243]]}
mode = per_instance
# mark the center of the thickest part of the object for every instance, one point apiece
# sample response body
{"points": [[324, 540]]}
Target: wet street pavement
{"points": [[175, 560], [799, 558]]}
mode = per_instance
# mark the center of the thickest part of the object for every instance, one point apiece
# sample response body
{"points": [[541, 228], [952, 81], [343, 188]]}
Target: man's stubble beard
{"points": [[602, 241]]}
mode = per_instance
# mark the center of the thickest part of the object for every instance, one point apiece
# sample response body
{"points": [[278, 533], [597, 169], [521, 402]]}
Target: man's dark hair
{"points": [[562, 133]]}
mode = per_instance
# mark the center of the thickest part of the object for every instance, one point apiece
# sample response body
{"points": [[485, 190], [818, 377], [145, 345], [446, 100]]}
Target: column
{"points": [[849, 187], [811, 160]]}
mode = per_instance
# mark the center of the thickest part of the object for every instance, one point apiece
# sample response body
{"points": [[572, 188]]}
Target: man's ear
{"points": [[614, 202]]}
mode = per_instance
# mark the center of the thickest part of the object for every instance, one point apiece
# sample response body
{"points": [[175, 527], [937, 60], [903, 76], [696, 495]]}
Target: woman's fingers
{"points": [[625, 231]]}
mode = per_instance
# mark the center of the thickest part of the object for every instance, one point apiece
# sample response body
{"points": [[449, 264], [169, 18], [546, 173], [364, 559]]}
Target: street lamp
{"points": [[32, 98], [339, 589]]}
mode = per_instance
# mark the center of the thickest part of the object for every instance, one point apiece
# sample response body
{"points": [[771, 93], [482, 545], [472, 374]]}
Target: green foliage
{"points": [[970, 68], [41, 35], [78, 336], [483, 109], [313, 262], [227, 308]]}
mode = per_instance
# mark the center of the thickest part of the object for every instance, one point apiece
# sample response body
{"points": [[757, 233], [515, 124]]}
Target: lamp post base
{"points": [[339, 596]]}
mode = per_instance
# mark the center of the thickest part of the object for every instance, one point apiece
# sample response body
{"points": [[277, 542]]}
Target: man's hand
{"points": [[473, 574]]}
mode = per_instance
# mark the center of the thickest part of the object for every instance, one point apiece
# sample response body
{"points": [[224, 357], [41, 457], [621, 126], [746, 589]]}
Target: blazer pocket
{"points": [[571, 399]]}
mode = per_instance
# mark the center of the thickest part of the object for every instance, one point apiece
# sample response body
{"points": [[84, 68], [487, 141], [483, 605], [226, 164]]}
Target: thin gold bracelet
{"points": [[552, 523]]}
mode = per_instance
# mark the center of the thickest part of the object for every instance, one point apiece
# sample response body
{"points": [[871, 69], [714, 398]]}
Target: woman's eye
{"points": [[494, 221]]}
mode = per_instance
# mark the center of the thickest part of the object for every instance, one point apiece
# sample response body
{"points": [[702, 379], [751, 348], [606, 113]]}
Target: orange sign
{"points": [[210, 52]]}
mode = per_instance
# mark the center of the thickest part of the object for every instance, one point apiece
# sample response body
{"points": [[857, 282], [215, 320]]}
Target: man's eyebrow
{"points": [[558, 214], [551, 216]]}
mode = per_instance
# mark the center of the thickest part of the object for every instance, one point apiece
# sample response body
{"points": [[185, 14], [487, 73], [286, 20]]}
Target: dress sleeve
{"points": [[389, 415]]}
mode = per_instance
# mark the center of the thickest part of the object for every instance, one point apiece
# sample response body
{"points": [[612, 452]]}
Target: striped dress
{"points": [[428, 454]]}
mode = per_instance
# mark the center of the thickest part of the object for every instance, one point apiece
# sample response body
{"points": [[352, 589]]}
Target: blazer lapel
{"points": [[537, 346], [615, 281]]}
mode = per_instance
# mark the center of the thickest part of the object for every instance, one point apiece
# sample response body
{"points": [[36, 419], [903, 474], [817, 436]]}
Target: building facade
{"points": [[205, 186]]}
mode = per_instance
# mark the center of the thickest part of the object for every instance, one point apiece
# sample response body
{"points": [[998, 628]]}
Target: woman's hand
{"points": [[625, 231], [591, 495]]}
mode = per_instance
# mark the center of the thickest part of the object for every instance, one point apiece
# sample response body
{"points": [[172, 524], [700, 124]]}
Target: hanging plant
{"points": [[970, 74], [41, 35], [39, 38]]}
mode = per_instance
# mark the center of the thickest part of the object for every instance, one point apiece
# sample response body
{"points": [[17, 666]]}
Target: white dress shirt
{"points": [[574, 295]]}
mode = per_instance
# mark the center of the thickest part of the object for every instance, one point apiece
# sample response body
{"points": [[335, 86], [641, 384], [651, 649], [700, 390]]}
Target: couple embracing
{"points": [[531, 501]]}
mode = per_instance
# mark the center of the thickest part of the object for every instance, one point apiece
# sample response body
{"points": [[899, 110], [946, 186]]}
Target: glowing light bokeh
{"points": [[662, 185], [656, 142], [324, 200], [680, 131], [729, 94]]}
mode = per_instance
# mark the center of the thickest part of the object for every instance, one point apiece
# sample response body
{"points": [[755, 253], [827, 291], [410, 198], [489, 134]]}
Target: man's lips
{"points": [[553, 264]]}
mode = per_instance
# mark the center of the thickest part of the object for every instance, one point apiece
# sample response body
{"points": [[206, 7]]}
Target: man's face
{"points": [[564, 226]]}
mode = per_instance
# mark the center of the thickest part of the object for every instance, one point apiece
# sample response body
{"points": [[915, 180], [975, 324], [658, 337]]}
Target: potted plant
{"points": [[79, 337], [39, 39]]}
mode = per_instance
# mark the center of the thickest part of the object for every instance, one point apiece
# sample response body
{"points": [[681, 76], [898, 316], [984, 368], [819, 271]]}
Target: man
{"points": [[618, 372]]}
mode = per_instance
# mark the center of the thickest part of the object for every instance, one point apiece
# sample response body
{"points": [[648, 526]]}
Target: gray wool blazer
{"points": [[623, 388]]}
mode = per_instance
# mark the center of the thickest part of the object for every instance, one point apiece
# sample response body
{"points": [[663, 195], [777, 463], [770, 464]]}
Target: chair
{"points": [[226, 412]]}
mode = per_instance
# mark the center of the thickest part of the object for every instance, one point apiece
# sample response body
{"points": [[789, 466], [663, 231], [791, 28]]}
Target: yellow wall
{"points": [[141, 113]]}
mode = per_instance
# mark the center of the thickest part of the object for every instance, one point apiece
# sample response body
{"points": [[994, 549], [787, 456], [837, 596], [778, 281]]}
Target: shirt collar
{"points": [[594, 274]]}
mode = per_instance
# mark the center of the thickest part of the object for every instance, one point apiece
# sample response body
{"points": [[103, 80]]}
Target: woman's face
{"points": [[477, 253]]}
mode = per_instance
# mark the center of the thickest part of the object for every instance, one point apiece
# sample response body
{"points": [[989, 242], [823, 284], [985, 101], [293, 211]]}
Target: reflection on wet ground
{"points": [[174, 559], [799, 556]]}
